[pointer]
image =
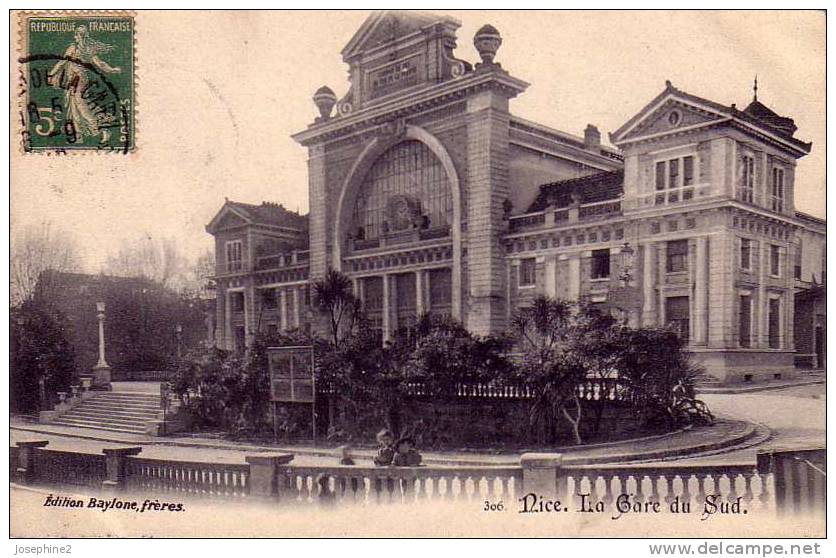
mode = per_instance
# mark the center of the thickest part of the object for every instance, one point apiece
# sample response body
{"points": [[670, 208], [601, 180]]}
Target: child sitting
{"points": [[385, 452], [406, 455]]}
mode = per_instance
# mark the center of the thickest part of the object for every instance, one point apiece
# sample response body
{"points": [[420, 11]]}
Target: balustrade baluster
{"points": [[667, 480], [702, 480]]}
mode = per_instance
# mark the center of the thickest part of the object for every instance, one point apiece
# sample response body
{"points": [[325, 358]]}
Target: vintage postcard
{"points": [[419, 274]]}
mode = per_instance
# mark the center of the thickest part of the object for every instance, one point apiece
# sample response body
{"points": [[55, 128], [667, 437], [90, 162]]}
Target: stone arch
{"points": [[355, 177]]}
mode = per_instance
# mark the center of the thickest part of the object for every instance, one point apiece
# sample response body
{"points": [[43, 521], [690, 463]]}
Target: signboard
{"points": [[291, 374], [393, 77]]}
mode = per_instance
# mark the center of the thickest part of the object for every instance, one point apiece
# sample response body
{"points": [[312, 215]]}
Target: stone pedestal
{"points": [[115, 459], [264, 473], [25, 466], [101, 378], [541, 475]]}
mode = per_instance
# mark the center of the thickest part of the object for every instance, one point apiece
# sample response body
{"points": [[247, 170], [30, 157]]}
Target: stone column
{"points": [[101, 372], [487, 176], [551, 276], [419, 292], [574, 291], [283, 308], [762, 307], [229, 342], [385, 326], [296, 322], [318, 218], [649, 308], [265, 474], [700, 291], [662, 249], [541, 476], [116, 461]]}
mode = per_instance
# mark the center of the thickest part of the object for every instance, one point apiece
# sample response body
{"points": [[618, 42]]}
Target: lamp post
{"points": [[178, 331], [101, 372]]}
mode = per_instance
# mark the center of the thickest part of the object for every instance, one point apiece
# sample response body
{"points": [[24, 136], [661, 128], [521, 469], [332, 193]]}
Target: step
{"points": [[99, 418], [92, 411], [107, 397], [139, 429], [126, 396], [121, 404]]}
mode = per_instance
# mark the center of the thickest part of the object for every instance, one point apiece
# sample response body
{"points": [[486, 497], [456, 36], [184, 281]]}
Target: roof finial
{"points": [[755, 88]]}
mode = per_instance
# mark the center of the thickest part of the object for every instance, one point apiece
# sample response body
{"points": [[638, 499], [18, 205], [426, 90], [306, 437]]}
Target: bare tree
{"points": [[156, 259], [36, 249]]}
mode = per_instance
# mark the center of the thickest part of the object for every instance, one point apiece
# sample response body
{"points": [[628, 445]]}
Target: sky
{"points": [[220, 93]]}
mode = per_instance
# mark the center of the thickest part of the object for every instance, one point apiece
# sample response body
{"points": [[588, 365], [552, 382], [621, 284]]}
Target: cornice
{"points": [[414, 102]]}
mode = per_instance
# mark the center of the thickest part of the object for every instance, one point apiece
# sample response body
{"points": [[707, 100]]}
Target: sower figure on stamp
{"points": [[68, 74]]}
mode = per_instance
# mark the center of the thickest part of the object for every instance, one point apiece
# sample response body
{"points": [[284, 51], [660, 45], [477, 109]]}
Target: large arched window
{"points": [[406, 188]]}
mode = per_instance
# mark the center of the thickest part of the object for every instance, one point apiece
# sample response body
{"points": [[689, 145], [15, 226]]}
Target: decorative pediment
{"points": [[387, 27], [672, 115], [226, 218]]}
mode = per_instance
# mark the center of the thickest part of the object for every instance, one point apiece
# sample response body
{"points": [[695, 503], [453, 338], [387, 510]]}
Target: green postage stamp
{"points": [[77, 83]]}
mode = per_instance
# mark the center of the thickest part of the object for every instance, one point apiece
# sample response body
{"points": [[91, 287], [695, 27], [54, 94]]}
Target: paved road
{"points": [[795, 415]]}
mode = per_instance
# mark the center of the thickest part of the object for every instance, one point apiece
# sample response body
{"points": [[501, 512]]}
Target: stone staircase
{"points": [[114, 411]]}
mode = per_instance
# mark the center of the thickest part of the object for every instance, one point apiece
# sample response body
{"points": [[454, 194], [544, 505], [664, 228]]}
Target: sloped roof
{"points": [[756, 114], [592, 188], [267, 213]]}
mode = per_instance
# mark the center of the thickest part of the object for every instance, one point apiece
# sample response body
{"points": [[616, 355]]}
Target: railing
{"points": [[689, 484], [599, 210], [592, 389], [69, 467], [188, 477], [289, 259], [800, 479], [784, 482], [522, 222], [398, 485]]}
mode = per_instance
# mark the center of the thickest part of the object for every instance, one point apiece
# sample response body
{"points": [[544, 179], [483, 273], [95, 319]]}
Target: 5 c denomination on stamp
{"points": [[77, 82]]}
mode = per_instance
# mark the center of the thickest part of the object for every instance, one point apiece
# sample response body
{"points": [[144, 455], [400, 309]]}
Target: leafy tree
{"points": [[39, 351], [563, 343]]}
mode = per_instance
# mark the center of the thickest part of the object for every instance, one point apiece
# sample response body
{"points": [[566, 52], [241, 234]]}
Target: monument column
{"points": [[101, 372]]}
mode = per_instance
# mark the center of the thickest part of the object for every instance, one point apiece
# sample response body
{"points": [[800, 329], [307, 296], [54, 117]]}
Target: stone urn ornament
{"points": [[487, 41], [324, 99]]}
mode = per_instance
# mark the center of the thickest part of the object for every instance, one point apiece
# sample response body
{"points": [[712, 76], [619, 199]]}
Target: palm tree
{"points": [[334, 296]]}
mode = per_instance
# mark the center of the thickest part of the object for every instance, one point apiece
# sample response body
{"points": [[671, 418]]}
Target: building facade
{"points": [[432, 196]]}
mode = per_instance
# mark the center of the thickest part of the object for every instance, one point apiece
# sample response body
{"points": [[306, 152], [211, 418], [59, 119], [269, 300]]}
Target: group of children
{"points": [[400, 453]]}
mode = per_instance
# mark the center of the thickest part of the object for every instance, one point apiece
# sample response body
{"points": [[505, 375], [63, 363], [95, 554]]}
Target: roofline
{"points": [[729, 113], [812, 218]]}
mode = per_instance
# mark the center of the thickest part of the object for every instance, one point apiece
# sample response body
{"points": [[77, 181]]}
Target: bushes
{"points": [[582, 369]]}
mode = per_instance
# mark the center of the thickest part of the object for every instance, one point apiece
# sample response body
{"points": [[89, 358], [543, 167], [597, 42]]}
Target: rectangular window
{"points": [[775, 260], [405, 303], [799, 251], [745, 253], [236, 300], [774, 323], [528, 276], [234, 256], [268, 298], [747, 179], [687, 171], [660, 176], [673, 173], [373, 304], [745, 321], [677, 256], [600, 264], [777, 189], [441, 291], [677, 314]]}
